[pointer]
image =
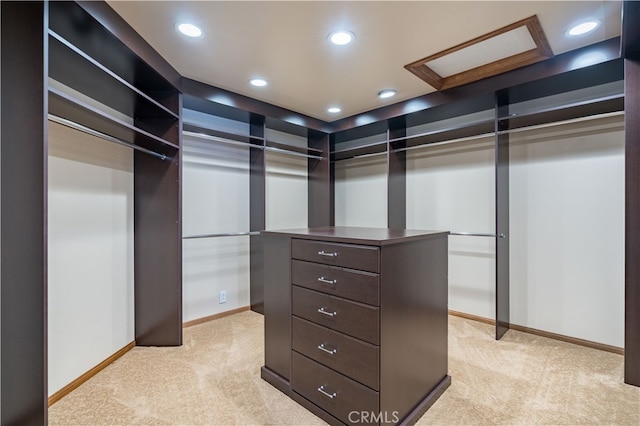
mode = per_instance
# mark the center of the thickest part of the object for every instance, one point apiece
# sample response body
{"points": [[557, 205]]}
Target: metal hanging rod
{"points": [[560, 123], [87, 130], [477, 234], [229, 234], [286, 151], [219, 139], [247, 145], [465, 139]]}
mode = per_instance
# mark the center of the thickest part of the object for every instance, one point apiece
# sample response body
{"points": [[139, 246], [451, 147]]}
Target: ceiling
{"points": [[286, 43]]}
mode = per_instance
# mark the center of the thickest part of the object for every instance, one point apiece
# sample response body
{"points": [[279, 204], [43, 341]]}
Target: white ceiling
{"points": [[286, 43]]}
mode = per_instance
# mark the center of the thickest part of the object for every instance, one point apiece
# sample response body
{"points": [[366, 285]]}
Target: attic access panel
{"points": [[513, 46]]}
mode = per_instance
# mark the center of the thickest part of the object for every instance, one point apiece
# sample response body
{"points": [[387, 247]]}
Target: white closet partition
{"points": [[90, 253], [451, 187], [361, 191], [215, 200], [567, 229]]}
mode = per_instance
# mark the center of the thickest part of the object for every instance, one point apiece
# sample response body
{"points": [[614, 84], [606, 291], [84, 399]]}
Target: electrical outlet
{"points": [[222, 297]]}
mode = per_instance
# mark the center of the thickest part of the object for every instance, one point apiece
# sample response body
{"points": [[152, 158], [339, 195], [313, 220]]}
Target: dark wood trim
{"points": [[209, 318], [320, 198], [275, 380], [57, 396], [502, 214], [630, 43], [397, 174], [257, 215], [23, 156], [427, 402], [108, 18], [559, 64], [632, 221], [234, 100], [542, 333]]}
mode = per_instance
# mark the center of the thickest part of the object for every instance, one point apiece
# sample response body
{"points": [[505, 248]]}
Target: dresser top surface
{"points": [[357, 235]]}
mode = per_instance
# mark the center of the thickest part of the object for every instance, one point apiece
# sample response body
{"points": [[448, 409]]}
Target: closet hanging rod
{"points": [[104, 136], [464, 139], [219, 139], [477, 234], [228, 234], [297, 154], [559, 123]]}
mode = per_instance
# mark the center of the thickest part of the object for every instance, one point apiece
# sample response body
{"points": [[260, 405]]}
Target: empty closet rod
{"points": [[246, 145], [559, 123], [87, 130], [286, 151], [219, 139], [467, 138], [229, 234], [477, 234]]}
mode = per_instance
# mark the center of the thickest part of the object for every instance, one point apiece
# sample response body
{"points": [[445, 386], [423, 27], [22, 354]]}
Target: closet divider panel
{"points": [[257, 212], [321, 178], [502, 214], [23, 170], [631, 54], [397, 174]]}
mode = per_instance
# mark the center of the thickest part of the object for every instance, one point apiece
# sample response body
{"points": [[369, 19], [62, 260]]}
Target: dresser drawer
{"points": [[353, 318], [351, 357], [331, 391], [352, 256], [348, 283]]}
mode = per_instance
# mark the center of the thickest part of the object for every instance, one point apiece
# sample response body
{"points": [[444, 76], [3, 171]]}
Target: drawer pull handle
{"points": [[327, 394], [329, 314], [329, 351], [324, 280], [324, 253]]}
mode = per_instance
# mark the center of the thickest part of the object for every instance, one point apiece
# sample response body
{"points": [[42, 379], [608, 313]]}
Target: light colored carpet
{"points": [[214, 379]]}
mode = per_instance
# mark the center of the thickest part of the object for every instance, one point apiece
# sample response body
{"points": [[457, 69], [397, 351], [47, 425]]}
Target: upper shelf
{"points": [[73, 23], [68, 107]]}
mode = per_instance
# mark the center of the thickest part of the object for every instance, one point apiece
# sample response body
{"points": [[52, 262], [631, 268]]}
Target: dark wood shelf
{"points": [[232, 137], [581, 109], [357, 151], [67, 107], [73, 23], [77, 70], [475, 128], [293, 148]]}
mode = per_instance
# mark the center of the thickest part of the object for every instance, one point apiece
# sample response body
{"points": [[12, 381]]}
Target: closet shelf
{"points": [[358, 151], [70, 108], [79, 71], [220, 136], [298, 149], [470, 129], [607, 104]]}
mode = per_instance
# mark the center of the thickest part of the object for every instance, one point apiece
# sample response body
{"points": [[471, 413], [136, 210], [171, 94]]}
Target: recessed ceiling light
{"points": [[583, 28], [189, 30], [341, 37], [334, 110], [258, 82], [384, 94]]}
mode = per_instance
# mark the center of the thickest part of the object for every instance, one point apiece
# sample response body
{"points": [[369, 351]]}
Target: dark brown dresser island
{"points": [[356, 321]]}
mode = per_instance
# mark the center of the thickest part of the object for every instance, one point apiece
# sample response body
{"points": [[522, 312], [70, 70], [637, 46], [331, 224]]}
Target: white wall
{"points": [[567, 230], [451, 187], [90, 273], [287, 191], [361, 192], [215, 199]]}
